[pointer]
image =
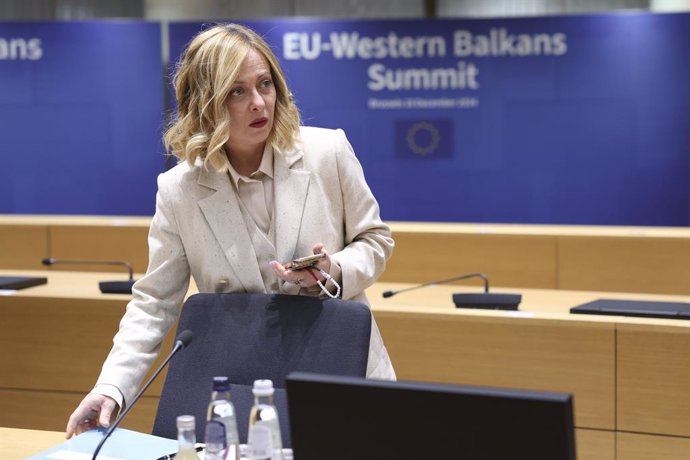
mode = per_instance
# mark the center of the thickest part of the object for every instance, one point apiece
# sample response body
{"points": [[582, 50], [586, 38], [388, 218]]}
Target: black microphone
{"points": [[182, 340], [484, 300], [106, 287]]}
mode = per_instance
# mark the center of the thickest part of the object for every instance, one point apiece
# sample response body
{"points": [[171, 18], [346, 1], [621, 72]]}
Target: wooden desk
{"points": [[54, 339], [18, 444], [629, 376]]}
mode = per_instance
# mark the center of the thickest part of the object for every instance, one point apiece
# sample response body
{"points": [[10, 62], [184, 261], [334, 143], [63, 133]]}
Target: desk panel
{"points": [[50, 410], [56, 337], [626, 264], [654, 379], [511, 352], [59, 344], [508, 260], [595, 444], [127, 243], [632, 446], [604, 258], [23, 247], [54, 345]]}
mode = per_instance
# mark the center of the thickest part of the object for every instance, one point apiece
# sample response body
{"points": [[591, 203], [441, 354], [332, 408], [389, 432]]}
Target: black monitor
{"points": [[339, 418]]}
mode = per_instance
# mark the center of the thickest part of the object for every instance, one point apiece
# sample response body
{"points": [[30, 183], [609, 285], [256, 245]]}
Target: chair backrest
{"points": [[259, 336]]}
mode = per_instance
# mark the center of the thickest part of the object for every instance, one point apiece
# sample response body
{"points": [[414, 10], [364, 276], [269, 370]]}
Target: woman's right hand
{"points": [[94, 410], [302, 277]]}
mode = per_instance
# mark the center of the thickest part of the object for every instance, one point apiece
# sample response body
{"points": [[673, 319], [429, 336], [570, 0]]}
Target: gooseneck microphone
{"points": [[182, 340], [484, 300], [106, 287], [447, 280]]}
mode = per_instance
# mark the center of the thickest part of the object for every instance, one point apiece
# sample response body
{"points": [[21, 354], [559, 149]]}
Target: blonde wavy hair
{"points": [[203, 79]]}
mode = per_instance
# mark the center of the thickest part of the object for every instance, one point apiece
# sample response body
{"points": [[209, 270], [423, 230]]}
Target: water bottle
{"points": [[214, 436], [264, 440], [222, 410], [186, 438]]}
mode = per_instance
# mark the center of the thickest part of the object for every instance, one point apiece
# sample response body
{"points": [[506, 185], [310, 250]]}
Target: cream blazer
{"points": [[198, 230]]}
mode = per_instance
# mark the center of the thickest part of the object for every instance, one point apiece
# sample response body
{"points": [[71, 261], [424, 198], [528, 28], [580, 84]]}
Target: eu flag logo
{"points": [[432, 138]]}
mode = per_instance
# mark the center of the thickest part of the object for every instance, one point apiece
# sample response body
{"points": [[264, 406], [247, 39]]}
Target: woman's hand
{"points": [[93, 410], [302, 277]]}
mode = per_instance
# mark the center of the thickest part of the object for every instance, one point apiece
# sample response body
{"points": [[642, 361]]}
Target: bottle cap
{"points": [[185, 422], [263, 387], [221, 383]]}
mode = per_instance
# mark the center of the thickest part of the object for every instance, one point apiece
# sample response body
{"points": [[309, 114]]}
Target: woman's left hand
{"points": [[303, 277]]}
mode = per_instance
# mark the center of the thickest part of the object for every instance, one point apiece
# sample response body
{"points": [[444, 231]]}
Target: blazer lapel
{"points": [[290, 191], [222, 212]]}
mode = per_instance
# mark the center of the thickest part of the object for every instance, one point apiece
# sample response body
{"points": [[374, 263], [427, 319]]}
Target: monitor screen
{"points": [[353, 418]]}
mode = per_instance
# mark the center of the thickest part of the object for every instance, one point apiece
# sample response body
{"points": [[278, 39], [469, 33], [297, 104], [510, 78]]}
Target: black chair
{"points": [[259, 336]]}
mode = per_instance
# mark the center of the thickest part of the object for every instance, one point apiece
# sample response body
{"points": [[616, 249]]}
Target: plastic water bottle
{"points": [[264, 440], [222, 410], [214, 436], [186, 438]]}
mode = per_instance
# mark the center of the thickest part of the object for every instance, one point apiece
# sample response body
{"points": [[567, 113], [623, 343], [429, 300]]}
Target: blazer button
{"points": [[223, 285]]}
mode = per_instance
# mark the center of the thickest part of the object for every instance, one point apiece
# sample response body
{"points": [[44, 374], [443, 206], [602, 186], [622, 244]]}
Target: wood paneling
{"points": [[507, 260], [595, 444], [59, 344], [23, 247], [601, 258], [593, 258], [55, 338], [512, 352], [26, 239], [633, 446], [654, 379], [626, 374], [50, 410], [116, 243], [626, 264]]}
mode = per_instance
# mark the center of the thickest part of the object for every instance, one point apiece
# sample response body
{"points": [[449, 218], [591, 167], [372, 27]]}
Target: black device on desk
{"points": [[21, 282], [645, 309], [345, 418]]}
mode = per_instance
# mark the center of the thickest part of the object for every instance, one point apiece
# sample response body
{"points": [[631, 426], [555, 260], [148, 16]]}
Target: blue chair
{"points": [[259, 336]]}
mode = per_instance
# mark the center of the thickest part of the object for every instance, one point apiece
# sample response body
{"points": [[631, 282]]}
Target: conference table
{"points": [[629, 376]]}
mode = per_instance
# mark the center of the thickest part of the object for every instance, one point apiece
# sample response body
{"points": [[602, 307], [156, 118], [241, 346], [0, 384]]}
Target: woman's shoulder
{"points": [[317, 131], [180, 173], [319, 139]]}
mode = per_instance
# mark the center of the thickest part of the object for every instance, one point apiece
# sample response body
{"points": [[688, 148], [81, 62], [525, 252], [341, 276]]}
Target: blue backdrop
{"points": [[80, 117], [576, 120]]}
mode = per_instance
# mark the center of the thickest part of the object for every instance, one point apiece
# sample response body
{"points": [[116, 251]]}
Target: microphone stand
{"points": [[447, 280], [183, 339], [106, 287], [484, 300]]}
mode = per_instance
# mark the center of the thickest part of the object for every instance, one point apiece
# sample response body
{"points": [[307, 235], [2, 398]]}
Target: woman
{"points": [[252, 191]]}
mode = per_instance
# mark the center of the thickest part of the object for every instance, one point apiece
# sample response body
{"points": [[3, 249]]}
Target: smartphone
{"points": [[305, 262]]}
